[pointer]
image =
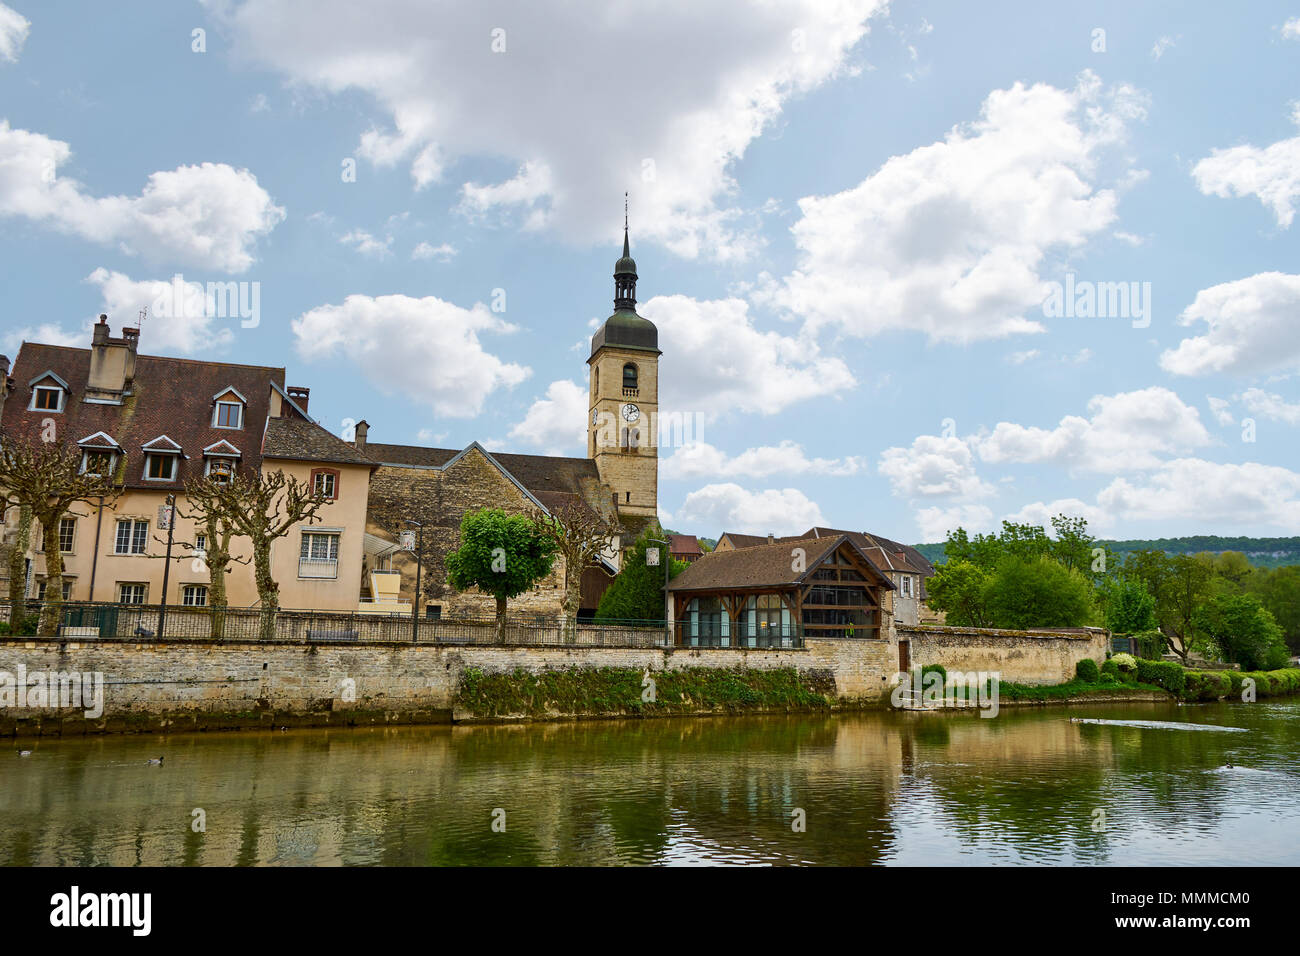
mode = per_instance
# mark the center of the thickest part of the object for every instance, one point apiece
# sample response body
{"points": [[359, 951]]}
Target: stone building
{"points": [[435, 487]]}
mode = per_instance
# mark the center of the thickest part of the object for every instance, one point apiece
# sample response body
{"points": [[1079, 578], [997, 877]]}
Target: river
{"points": [[1029, 786]]}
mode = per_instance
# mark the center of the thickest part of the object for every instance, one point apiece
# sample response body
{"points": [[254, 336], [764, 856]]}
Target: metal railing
{"points": [[318, 567]]}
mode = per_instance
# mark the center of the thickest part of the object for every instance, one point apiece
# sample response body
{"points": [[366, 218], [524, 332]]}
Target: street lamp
{"points": [[415, 598], [667, 559], [169, 510]]}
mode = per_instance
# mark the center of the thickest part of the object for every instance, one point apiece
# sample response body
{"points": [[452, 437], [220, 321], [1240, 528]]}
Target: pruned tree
{"points": [[46, 478], [207, 506], [501, 554], [22, 539], [580, 533], [263, 506]]}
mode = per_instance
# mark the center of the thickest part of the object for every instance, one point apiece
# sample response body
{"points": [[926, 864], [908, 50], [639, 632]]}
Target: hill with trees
{"points": [[1260, 552]]}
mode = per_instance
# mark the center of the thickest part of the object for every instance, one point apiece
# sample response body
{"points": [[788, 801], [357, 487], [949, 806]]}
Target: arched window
{"points": [[629, 376]]}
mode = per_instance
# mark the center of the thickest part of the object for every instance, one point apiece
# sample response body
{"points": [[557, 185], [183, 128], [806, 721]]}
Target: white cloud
{"points": [[1271, 175], [722, 363], [442, 252], [14, 28], [208, 215], [1020, 358], [1161, 45], [556, 423], [1251, 328], [699, 459], [1271, 406], [46, 333], [714, 509], [1243, 497], [934, 523], [1041, 514], [1126, 431], [441, 363], [1291, 29], [259, 104], [933, 467], [949, 239], [187, 326], [633, 88], [1221, 409], [368, 245]]}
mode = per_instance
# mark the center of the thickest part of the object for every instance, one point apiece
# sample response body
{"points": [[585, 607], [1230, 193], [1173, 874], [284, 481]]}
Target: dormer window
{"points": [[228, 409], [49, 393], [98, 455], [161, 459], [220, 459]]}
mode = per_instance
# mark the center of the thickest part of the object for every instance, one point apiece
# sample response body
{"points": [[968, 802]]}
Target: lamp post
{"points": [[170, 510], [415, 598], [667, 559]]}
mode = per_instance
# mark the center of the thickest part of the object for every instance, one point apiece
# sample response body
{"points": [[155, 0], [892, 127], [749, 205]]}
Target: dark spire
{"points": [[625, 273]]}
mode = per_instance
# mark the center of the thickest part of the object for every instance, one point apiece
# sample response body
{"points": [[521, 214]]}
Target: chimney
{"points": [[361, 428], [112, 363], [299, 396], [771, 538]]}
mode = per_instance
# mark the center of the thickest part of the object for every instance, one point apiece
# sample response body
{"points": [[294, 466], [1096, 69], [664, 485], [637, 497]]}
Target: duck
{"points": [[156, 761], [24, 753]]}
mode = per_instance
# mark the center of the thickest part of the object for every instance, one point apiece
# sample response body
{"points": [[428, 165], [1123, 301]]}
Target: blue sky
{"points": [[846, 216]]}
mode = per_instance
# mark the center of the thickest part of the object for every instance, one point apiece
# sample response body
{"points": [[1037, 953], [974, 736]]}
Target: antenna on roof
{"points": [[141, 316]]}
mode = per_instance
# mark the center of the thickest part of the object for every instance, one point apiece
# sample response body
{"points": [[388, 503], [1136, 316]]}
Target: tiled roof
{"points": [[302, 440], [169, 396], [762, 566], [684, 544], [538, 473]]}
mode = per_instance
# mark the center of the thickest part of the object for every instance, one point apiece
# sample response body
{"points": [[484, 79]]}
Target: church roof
{"points": [[540, 474]]}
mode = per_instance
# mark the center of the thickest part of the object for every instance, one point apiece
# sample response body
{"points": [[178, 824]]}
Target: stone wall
{"points": [[1022, 657]]}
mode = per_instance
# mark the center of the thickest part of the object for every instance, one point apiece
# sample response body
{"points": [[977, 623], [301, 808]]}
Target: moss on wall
{"points": [[593, 691]]}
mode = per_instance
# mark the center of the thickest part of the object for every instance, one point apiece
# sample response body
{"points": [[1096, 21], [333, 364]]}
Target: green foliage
{"points": [[1129, 605], [1110, 668], [1087, 671], [637, 593], [1151, 644], [1124, 662], [1207, 685], [1164, 674], [1038, 593], [618, 690], [26, 626], [957, 589], [1279, 591], [501, 554], [1243, 631]]}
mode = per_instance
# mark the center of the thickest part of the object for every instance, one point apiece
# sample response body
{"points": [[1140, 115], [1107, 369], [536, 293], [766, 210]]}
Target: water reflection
{"points": [[907, 788]]}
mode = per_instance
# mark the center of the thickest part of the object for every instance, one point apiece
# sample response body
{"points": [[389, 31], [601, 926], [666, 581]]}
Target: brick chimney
{"points": [[112, 363], [771, 538], [299, 396], [361, 429]]}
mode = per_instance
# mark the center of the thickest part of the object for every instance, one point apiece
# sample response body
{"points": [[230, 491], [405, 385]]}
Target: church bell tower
{"points": [[623, 373]]}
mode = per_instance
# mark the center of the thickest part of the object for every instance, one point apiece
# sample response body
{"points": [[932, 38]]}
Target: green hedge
{"points": [[1207, 685], [1164, 674], [1087, 670], [1268, 683]]}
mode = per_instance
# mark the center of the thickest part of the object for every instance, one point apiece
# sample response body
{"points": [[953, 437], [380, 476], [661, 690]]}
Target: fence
{"points": [[82, 621]]}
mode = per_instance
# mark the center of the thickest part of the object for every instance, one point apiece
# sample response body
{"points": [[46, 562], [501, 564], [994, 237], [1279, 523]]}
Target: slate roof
{"points": [[302, 440], [538, 473], [762, 566], [168, 396]]}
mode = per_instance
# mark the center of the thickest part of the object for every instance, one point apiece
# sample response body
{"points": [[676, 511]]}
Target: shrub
{"points": [[1151, 645], [26, 626], [1164, 674], [1125, 662], [1207, 685], [1108, 680], [1087, 671], [1111, 669], [933, 669]]}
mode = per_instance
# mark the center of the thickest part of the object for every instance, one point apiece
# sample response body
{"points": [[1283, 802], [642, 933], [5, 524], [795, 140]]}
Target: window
{"points": [[708, 623], [228, 415], [194, 595], [221, 470], [629, 375], [67, 589], [47, 398], [325, 481], [160, 467], [318, 556], [130, 593], [97, 463], [132, 536], [200, 543], [907, 585], [67, 534], [433, 612]]}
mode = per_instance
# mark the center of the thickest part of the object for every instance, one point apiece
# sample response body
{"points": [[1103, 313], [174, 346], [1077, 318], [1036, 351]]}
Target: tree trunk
{"points": [[218, 562], [267, 590], [572, 601], [501, 620], [18, 568], [52, 611]]}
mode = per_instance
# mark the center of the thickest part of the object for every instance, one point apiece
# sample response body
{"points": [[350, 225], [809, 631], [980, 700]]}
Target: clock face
{"points": [[630, 412]]}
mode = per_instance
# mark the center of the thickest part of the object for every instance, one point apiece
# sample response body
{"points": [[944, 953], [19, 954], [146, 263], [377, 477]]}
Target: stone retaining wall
{"points": [[1021, 657]]}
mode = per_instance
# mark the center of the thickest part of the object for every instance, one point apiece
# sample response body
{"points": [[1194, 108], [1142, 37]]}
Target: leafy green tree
{"points": [[1072, 546], [1186, 587], [957, 589], [1130, 608], [501, 554], [1243, 630], [637, 592], [1025, 593], [1279, 591]]}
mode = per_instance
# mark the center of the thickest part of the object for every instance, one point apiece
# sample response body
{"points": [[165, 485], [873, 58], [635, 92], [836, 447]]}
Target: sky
{"points": [[914, 265]]}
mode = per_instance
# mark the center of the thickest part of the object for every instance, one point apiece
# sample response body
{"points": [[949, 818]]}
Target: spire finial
{"points": [[626, 252]]}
